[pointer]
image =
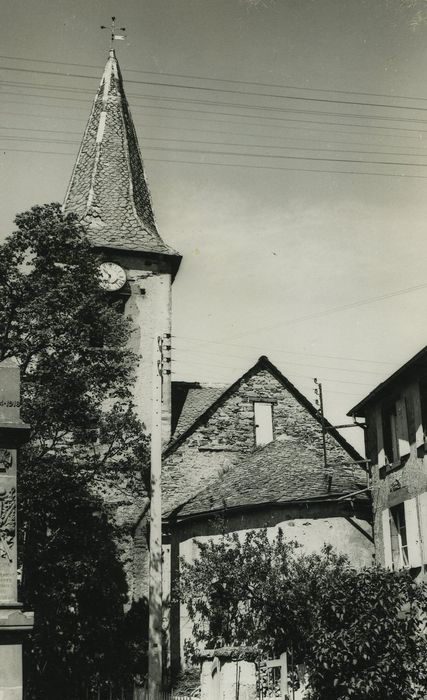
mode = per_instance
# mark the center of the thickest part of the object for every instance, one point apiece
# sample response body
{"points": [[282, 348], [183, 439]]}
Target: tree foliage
{"points": [[76, 394], [360, 633]]}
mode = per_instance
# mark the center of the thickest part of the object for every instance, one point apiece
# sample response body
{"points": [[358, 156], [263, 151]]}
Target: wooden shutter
{"points": [[418, 416], [402, 428], [388, 560], [263, 423], [380, 438], [413, 533], [422, 500]]}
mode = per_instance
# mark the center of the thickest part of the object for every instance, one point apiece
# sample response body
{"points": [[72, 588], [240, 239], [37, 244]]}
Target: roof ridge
{"points": [[264, 361]]}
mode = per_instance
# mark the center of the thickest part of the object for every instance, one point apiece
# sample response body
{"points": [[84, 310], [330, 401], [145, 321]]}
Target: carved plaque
{"points": [[7, 541], [6, 460], [7, 523]]}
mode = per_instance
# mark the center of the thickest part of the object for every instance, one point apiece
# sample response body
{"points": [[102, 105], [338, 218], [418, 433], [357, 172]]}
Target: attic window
{"points": [[263, 416]]}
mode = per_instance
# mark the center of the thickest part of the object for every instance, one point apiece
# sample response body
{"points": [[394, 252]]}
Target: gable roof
{"points": [[108, 190], [197, 400], [281, 472], [417, 363], [263, 363]]}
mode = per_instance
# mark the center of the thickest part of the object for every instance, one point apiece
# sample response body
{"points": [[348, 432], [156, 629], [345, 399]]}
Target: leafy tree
{"points": [[368, 638], [360, 633], [76, 385]]}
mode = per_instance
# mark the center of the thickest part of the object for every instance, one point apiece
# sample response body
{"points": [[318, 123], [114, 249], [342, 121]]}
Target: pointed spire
{"points": [[108, 190]]}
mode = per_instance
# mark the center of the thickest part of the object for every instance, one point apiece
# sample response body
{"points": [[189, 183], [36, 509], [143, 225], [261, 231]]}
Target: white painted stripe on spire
{"points": [[107, 78], [101, 126]]}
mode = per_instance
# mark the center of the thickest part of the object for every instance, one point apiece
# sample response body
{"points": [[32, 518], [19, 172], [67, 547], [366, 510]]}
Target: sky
{"points": [[285, 147]]}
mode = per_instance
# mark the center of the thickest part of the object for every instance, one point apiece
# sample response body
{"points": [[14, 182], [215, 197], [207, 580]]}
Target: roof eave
{"points": [[172, 257], [173, 516], [359, 410]]}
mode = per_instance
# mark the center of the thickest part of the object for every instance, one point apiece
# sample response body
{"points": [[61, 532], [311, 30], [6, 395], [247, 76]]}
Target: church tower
{"points": [[109, 194]]}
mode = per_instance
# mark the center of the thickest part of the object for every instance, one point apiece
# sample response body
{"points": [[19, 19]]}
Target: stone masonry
{"points": [[227, 431]]}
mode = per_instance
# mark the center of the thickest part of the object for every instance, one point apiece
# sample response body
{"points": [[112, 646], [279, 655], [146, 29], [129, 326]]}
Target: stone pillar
{"points": [[228, 673], [14, 623]]}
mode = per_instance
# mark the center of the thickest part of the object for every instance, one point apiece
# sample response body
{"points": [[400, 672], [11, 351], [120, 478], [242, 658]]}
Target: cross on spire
{"points": [[114, 36]]}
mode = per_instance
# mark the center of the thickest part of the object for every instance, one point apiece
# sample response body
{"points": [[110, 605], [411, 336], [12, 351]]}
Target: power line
{"points": [[238, 165], [288, 148], [348, 370], [137, 96], [280, 350], [258, 155], [305, 376], [50, 131], [240, 82], [50, 117], [222, 80], [239, 105], [246, 116], [283, 157], [335, 309], [218, 143], [225, 133]]}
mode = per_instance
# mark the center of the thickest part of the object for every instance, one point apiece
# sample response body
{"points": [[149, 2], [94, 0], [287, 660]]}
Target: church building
{"points": [[108, 192], [245, 456]]}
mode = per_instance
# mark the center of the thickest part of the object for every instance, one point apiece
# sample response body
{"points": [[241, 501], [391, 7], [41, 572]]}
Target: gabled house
{"points": [[251, 456], [214, 427], [396, 416]]}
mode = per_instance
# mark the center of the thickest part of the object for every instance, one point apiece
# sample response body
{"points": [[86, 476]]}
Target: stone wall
{"points": [[228, 431], [150, 308]]}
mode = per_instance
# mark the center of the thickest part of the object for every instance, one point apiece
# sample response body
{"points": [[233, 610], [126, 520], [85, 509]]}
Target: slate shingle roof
{"points": [[108, 190], [282, 471], [197, 401], [224, 393]]}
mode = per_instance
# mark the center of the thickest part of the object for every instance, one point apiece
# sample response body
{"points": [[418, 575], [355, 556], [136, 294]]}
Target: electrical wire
{"points": [[239, 105], [280, 350], [405, 176], [245, 116], [204, 88], [238, 368], [222, 143], [227, 133], [222, 80], [348, 370]]}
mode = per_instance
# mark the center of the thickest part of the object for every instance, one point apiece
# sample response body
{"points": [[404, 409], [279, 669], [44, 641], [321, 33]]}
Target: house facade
{"points": [[396, 417], [235, 467]]}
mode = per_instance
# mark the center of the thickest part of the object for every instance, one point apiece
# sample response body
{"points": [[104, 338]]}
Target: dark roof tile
{"points": [[197, 401], [108, 190], [285, 470]]}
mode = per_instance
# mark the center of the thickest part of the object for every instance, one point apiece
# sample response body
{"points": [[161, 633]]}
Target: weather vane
{"points": [[114, 36]]}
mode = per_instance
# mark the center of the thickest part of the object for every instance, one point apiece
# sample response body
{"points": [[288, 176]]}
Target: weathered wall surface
{"points": [[391, 486], [125, 501], [341, 525], [228, 432], [150, 308]]}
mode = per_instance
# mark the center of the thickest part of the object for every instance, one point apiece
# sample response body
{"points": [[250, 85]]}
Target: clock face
{"points": [[112, 276]]}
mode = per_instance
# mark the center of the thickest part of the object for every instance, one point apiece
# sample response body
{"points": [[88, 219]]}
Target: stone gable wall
{"points": [[228, 432]]}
